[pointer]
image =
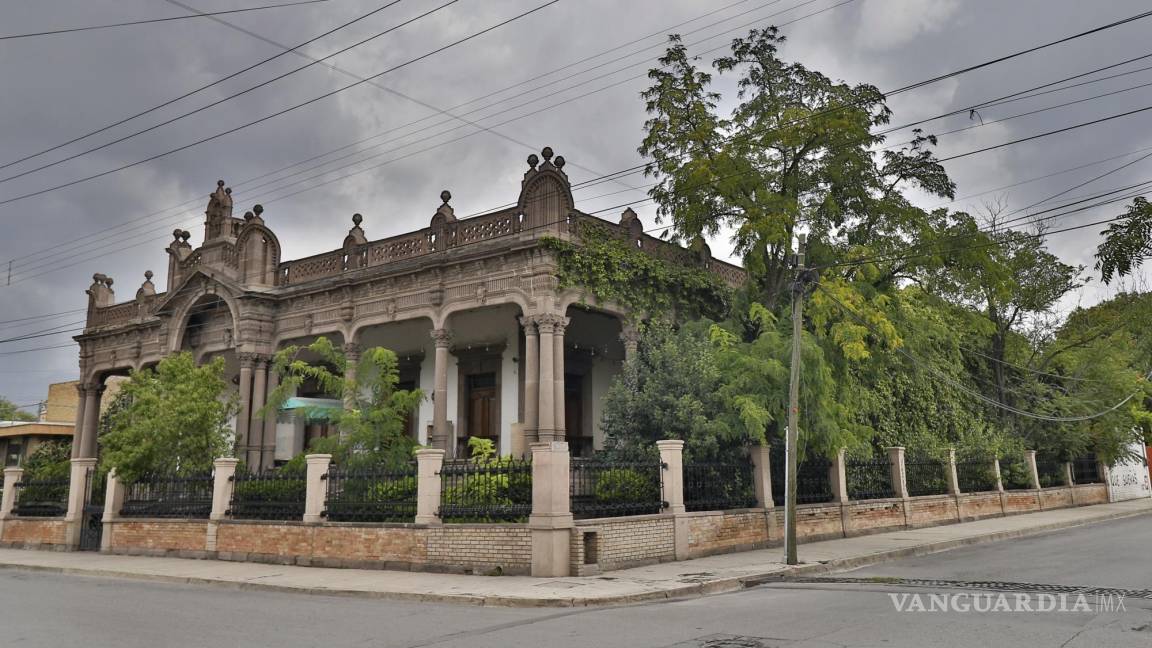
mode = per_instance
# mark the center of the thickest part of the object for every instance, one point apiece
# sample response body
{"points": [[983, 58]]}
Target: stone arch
{"points": [[515, 298], [195, 317], [258, 254], [545, 200]]}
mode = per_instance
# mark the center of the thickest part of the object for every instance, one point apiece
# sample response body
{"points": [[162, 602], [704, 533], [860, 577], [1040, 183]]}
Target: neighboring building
{"points": [[472, 307], [54, 422]]}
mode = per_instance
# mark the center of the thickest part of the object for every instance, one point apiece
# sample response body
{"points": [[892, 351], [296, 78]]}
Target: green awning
{"points": [[312, 408]]}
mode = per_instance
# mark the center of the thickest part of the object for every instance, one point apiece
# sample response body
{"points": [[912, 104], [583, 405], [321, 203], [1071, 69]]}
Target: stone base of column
{"points": [[546, 436], [551, 551]]}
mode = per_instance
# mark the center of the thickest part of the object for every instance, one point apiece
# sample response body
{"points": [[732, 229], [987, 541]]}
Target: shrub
{"points": [[622, 485]]}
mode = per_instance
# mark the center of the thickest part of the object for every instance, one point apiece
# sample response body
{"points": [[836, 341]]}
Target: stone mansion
{"points": [[472, 307]]}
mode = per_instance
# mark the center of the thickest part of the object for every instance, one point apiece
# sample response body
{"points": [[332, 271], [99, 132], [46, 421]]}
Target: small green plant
{"points": [[621, 485]]}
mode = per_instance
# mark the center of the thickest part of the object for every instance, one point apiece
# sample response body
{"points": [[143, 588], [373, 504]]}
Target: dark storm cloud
{"points": [[55, 88]]}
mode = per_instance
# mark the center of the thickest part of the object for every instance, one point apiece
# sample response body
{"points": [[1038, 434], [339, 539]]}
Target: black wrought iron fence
{"points": [[371, 494], [925, 476], [602, 488], [1015, 473], [499, 490], [718, 486], [1051, 473], [976, 476], [41, 498], [813, 479], [1085, 470], [869, 478], [169, 496], [268, 495]]}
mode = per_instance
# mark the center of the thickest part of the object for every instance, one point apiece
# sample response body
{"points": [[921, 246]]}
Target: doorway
{"points": [[481, 420]]}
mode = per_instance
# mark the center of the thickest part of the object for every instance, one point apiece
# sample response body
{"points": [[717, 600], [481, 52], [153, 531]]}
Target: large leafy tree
{"points": [[1127, 243], [798, 149], [173, 419], [372, 422], [9, 412]]}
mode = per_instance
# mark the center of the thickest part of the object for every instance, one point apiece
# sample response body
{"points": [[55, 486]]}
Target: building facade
{"points": [[472, 307]]}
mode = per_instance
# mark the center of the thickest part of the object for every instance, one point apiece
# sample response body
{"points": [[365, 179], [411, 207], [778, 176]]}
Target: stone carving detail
{"points": [[441, 337]]}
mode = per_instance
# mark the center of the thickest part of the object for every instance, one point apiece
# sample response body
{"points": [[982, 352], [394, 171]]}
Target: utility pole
{"points": [[790, 462]]}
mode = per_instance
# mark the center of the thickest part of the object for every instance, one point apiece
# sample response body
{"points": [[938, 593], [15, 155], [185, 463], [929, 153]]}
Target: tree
{"points": [[175, 419], [50, 460], [798, 149], [9, 412], [670, 389], [1127, 243], [372, 422]]}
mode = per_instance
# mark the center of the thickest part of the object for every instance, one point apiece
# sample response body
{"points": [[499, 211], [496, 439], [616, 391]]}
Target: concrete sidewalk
{"points": [[684, 579]]}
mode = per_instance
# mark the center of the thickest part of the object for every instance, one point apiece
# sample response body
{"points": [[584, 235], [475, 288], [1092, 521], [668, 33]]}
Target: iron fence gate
{"points": [[92, 513]]}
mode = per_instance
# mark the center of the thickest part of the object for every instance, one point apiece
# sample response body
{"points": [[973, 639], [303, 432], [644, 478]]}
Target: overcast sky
{"points": [[54, 88]]}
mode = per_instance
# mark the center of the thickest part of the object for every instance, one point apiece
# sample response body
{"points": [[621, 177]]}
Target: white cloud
{"points": [[888, 24]]}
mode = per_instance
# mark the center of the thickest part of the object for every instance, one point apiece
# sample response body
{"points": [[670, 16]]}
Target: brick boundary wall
{"points": [[618, 543], [35, 533]]}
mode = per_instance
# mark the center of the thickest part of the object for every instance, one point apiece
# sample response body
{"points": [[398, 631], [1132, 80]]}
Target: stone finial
{"points": [[248, 216], [357, 219], [258, 210], [444, 213], [627, 216], [559, 162], [355, 234], [176, 235], [533, 161], [147, 289], [547, 153], [185, 235], [100, 292]]}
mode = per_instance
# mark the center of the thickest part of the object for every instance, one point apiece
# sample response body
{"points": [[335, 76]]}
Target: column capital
{"points": [[248, 360], [630, 334], [529, 324], [352, 349], [441, 337], [548, 323]]}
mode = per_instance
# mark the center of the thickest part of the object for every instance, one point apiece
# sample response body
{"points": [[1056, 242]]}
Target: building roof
{"points": [[35, 428]]}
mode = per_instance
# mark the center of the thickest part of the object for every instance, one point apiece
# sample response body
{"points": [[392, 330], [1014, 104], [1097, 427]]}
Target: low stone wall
{"points": [[35, 533], [464, 548], [1089, 494], [632, 541], [931, 510], [1059, 497], [976, 506], [157, 537], [714, 532]]}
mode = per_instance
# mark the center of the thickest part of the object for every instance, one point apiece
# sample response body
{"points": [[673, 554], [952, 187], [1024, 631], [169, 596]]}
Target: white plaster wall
{"points": [[603, 373], [509, 391]]}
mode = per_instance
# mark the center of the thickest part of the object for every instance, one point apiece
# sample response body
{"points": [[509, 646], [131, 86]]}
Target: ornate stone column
{"points": [[442, 339], [352, 352], [268, 438], [531, 378], [559, 327], [91, 421], [78, 431], [247, 360], [630, 336], [255, 440], [546, 430]]}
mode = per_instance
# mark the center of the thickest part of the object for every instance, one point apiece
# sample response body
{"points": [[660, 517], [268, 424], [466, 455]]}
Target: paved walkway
{"points": [[664, 581]]}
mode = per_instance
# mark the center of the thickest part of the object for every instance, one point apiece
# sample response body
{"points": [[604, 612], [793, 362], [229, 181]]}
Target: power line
{"points": [[235, 94], [244, 182], [284, 111], [86, 240], [159, 20], [201, 88]]}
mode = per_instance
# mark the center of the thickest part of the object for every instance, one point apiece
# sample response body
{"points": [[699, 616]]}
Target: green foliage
{"points": [[372, 423], [50, 460], [615, 272], [175, 420], [1127, 243], [489, 490], [8, 412], [624, 485]]}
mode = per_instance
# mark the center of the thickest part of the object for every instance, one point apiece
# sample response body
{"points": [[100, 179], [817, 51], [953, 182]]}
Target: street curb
{"points": [[687, 591]]}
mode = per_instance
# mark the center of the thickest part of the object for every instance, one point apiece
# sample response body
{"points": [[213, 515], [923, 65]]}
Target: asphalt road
{"points": [[46, 610]]}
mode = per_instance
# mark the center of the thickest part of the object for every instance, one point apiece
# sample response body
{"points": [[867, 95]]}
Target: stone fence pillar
{"points": [[950, 473], [113, 502], [672, 483], [898, 473], [551, 519], [315, 486], [762, 475], [838, 477], [77, 494], [1033, 472], [12, 476], [996, 473], [224, 471], [1068, 480], [429, 461]]}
